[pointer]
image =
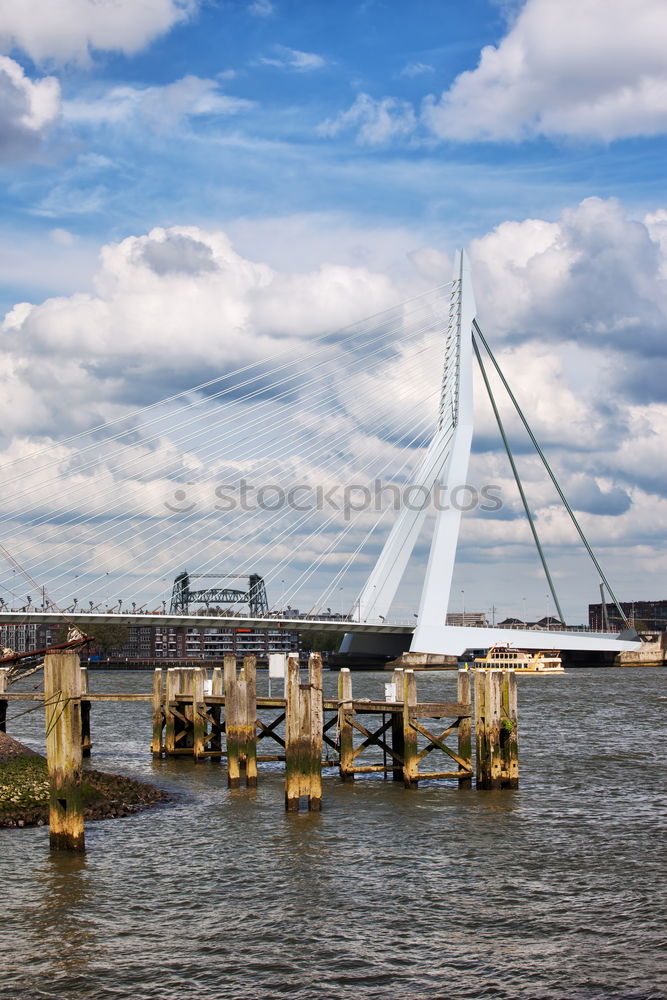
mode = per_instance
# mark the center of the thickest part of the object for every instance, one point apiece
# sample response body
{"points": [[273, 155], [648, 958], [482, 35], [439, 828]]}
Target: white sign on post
{"points": [[390, 692], [277, 665]]}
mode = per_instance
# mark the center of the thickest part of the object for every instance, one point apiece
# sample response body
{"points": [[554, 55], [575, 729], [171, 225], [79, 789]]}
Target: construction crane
{"points": [[182, 596]]}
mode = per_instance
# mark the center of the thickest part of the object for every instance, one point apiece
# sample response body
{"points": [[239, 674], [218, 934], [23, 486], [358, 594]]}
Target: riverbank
{"points": [[24, 790]]}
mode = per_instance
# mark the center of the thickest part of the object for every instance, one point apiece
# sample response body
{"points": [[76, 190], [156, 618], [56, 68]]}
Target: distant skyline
{"points": [[187, 185]]}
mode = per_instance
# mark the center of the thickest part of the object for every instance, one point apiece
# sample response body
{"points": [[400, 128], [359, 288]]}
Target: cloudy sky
{"points": [[199, 190]]}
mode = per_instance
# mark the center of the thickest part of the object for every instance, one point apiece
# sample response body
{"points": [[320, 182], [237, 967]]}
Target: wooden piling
{"points": [[62, 700], [316, 729], [199, 723], [173, 676], [158, 717], [185, 687], [410, 757], [465, 727], [234, 713], [345, 738], [250, 720], [487, 728], [509, 731], [86, 744], [293, 747], [4, 684], [216, 711], [397, 728]]}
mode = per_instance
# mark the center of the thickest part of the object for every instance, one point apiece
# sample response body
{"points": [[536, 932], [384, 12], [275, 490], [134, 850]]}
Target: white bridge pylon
{"points": [[445, 465]]}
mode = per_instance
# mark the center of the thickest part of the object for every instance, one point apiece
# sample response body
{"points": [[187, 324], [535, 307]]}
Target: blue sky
{"points": [[349, 145]]}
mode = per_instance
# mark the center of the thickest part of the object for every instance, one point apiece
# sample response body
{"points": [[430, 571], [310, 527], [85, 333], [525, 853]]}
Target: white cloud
{"points": [[374, 121], [593, 70], [65, 30], [573, 308], [159, 107], [287, 58], [27, 110], [417, 69], [261, 8]]}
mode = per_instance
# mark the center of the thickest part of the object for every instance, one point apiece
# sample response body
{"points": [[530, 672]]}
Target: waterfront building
{"points": [[649, 616]]}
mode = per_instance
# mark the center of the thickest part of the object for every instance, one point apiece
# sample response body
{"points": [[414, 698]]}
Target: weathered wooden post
{"points": [[186, 680], [234, 708], [216, 711], [199, 722], [509, 730], [465, 726], [158, 718], [397, 727], [316, 728], [86, 744], [410, 758], [250, 720], [487, 728], [293, 742], [4, 683], [345, 731], [169, 717], [62, 701]]}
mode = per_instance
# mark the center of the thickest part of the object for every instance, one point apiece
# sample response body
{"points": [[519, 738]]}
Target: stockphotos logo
{"points": [[348, 500]]}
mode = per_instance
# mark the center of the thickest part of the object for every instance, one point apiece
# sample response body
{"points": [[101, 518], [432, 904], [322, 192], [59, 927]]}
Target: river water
{"points": [[556, 890]]}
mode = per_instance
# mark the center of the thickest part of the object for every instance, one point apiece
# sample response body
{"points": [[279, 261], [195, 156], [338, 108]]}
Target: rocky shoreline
{"points": [[24, 792]]}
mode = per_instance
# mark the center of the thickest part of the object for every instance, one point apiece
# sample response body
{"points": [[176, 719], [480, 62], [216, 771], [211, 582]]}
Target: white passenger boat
{"points": [[523, 661]]}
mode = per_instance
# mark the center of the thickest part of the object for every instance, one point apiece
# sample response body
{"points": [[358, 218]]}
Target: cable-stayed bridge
{"points": [[121, 505]]}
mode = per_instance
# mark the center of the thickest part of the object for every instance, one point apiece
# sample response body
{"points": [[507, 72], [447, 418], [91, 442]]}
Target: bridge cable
{"points": [[517, 478], [549, 470]]}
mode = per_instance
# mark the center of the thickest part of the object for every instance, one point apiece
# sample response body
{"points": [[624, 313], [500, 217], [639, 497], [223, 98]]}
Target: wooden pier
{"points": [[216, 715]]}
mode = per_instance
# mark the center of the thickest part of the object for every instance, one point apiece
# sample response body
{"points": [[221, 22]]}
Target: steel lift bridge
{"points": [[445, 462]]}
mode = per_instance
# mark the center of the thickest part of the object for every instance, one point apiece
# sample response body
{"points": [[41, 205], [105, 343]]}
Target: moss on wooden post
{"points": [[62, 700], [250, 720], [487, 728], [293, 748], [493, 724], [346, 760], [199, 724], [157, 712], [410, 758], [233, 712], [169, 717], [509, 730], [316, 728], [465, 727]]}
